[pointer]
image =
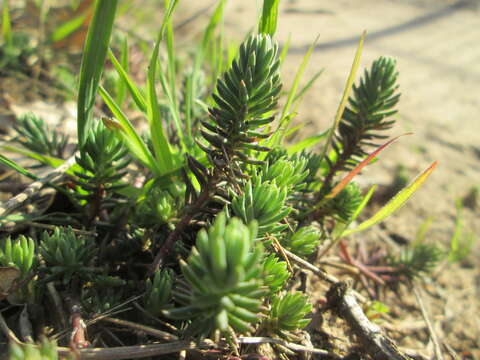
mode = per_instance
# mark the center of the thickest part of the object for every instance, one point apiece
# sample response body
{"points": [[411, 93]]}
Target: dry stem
{"points": [[340, 299]]}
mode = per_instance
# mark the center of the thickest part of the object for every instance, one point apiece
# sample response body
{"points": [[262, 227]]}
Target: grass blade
{"points": [[44, 159], [268, 20], [285, 119], [310, 83], [69, 27], [134, 91], [167, 79], [285, 47], [306, 143], [134, 142], [21, 170], [346, 93], [95, 52], [396, 202], [121, 90], [6, 24], [354, 172], [160, 143], [191, 80], [340, 227]]}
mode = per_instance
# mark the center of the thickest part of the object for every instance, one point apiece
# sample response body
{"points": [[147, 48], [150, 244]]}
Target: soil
{"points": [[436, 46]]}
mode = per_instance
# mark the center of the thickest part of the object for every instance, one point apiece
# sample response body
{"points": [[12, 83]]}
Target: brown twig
{"points": [[288, 345], [57, 303], [341, 300], [139, 327], [322, 274], [190, 212], [279, 248], [431, 330], [141, 351], [7, 331]]}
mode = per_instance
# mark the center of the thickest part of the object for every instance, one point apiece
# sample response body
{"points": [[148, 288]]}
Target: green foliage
{"points": [[417, 260], [103, 161], [246, 96], [20, 254], [45, 350], [375, 309], [34, 134], [155, 207], [461, 242], [6, 24], [275, 273], [346, 202], [66, 254], [288, 313], [18, 53], [158, 292], [263, 202], [107, 293], [95, 53], [304, 241], [268, 21], [224, 271], [285, 173], [370, 109]]}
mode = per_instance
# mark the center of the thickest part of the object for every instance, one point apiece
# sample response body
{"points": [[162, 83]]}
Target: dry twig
{"points": [[288, 345], [322, 274], [139, 327], [341, 300], [431, 330]]}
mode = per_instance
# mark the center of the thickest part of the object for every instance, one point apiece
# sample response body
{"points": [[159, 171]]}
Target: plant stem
{"points": [[190, 212]]}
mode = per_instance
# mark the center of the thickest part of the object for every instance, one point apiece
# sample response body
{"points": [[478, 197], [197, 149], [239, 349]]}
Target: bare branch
{"points": [[341, 300]]}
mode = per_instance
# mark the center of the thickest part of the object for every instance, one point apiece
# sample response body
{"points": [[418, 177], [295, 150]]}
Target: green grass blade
{"points": [[160, 143], [307, 87], [94, 54], [340, 227], [356, 170], [268, 20], [126, 130], [285, 119], [346, 93], [21, 170], [191, 95], [306, 143], [134, 91], [6, 24], [167, 79], [396, 202], [285, 48], [455, 239], [121, 84], [44, 159], [68, 27]]}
